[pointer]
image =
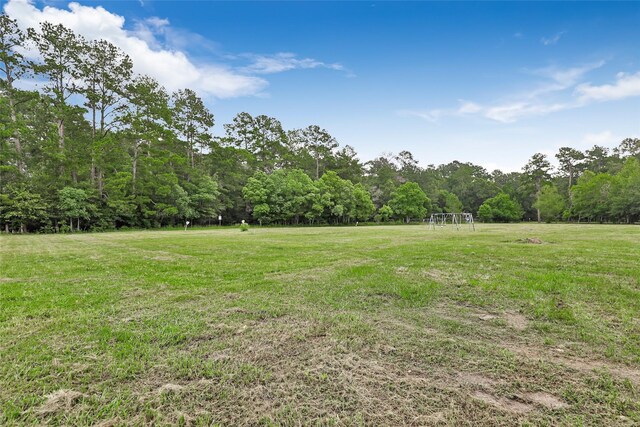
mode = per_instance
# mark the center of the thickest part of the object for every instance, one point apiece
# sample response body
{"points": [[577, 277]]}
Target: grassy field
{"points": [[394, 325]]}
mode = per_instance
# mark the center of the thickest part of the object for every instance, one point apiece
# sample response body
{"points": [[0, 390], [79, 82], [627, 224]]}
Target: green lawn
{"points": [[397, 325]]}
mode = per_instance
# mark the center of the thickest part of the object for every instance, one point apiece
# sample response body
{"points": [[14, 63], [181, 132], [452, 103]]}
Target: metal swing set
{"points": [[458, 219]]}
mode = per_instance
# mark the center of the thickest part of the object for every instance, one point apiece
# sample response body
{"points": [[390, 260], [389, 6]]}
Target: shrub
{"points": [[244, 226]]}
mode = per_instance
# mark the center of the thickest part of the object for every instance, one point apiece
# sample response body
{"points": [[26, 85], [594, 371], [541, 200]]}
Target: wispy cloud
{"points": [[560, 90], [547, 41], [625, 86], [285, 61]]}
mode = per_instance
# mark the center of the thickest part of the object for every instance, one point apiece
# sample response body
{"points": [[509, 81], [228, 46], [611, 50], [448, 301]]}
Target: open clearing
{"points": [[389, 325]]}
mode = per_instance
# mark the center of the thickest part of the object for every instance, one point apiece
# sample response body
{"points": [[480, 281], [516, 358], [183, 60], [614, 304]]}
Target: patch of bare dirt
{"points": [[60, 400], [547, 400], [516, 320], [531, 240], [503, 403], [583, 365], [109, 423], [475, 380], [402, 270], [442, 276], [169, 388], [161, 258]]}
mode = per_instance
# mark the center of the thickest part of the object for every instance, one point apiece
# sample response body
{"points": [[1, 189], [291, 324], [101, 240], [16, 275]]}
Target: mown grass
{"points": [[395, 325]]}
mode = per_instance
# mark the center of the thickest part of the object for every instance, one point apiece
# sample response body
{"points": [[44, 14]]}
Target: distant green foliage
{"points": [[448, 202], [592, 196], [500, 208], [385, 213], [244, 226], [409, 202], [74, 204], [20, 207], [550, 203]]}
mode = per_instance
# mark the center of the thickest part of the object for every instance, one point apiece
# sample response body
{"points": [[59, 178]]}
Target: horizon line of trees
{"points": [[98, 147]]}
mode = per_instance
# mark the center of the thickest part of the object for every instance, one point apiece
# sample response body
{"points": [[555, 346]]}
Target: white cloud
{"points": [[172, 68], [509, 113], [559, 92], [565, 77], [502, 112], [626, 85], [553, 39], [279, 62]]}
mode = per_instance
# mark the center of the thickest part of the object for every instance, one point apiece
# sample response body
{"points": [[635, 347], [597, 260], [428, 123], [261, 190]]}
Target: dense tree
{"points": [[382, 178], [385, 213], [12, 66], [61, 51], [592, 196], [74, 204], [500, 208], [317, 143], [192, 121], [21, 208], [537, 171], [104, 72], [409, 201], [550, 203], [470, 183], [448, 202]]}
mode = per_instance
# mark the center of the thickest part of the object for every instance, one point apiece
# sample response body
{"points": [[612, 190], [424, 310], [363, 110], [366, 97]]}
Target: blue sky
{"points": [[486, 82]]}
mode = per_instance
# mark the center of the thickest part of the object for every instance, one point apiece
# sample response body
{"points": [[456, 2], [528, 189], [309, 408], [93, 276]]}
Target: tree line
{"points": [[98, 147]]}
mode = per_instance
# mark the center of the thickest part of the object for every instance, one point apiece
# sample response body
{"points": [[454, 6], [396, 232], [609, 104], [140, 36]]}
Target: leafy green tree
{"points": [[145, 121], [629, 147], [318, 143], [592, 196], [298, 193], [21, 207], [192, 121], [60, 50], [470, 183], [625, 192], [104, 71], [364, 206], [500, 208], [537, 171], [263, 136], [12, 66], [258, 192], [409, 201], [550, 203], [337, 197], [569, 159], [346, 165], [385, 213], [597, 159], [74, 204], [448, 202], [382, 178]]}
